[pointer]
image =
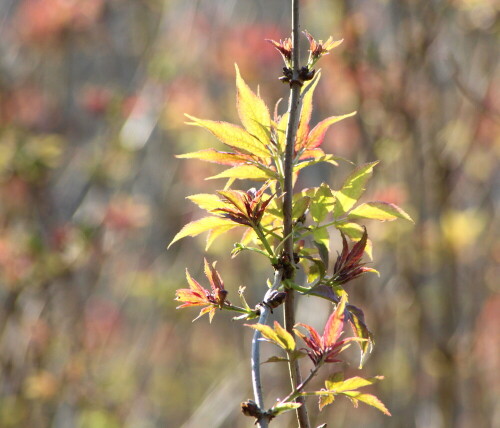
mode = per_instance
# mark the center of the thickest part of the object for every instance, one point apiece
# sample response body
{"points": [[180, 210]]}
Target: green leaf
{"points": [[233, 136], [317, 135], [322, 203], [243, 172], [369, 399], [356, 320], [253, 112], [284, 407], [214, 156], [300, 206], [353, 188], [382, 211], [321, 237], [199, 226]]}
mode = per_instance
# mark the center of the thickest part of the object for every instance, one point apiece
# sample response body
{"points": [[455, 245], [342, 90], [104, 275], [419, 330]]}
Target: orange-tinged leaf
{"points": [[194, 285], [382, 211], [305, 115], [335, 324], [199, 226], [253, 112], [236, 197], [233, 136], [317, 134], [214, 156], [244, 172]]}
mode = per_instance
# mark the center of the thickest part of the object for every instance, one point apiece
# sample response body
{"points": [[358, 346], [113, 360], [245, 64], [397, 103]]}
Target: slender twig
{"points": [[256, 379], [293, 119], [297, 391]]}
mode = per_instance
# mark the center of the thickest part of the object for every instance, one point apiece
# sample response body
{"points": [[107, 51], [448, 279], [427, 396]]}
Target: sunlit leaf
{"points": [[207, 201], [324, 158], [243, 172], [350, 384], [253, 112], [335, 324], [368, 399], [214, 156], [279, 336], [322, 237], [382, 211], [353, 188], [199, 226], [317, 134], [305, 115], [233, 136], [322, 203], [218, 231]]}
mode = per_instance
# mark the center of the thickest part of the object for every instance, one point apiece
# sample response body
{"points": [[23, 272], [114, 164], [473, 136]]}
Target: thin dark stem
{"points": [[293, 119], [256, 378]]}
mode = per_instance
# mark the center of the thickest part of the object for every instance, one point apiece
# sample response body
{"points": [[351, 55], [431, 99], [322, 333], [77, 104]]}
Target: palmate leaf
{"points": [[352, 189], [199, 226], [382, 211], [334, 385], [233, 136], [253, 112]]}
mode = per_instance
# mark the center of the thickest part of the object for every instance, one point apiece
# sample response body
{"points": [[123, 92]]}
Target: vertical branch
{"points": [[256, 379], [293, 118]]}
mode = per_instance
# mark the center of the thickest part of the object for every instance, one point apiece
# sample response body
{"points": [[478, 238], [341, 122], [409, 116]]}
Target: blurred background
{"points": [[92, 96]]}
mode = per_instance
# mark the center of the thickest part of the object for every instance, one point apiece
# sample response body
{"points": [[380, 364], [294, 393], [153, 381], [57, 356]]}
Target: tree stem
{"points": [[293, 119]]}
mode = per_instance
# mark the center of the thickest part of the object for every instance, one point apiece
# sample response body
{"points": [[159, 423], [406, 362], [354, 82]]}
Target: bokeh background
{"points": [[92, 96]]}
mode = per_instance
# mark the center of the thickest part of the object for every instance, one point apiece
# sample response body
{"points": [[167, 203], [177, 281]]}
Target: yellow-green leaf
{"points": [[233, 136], [243, 172], [253, 112], [214, 233], [322, 203], [199, 226], [211, 155], [325, 400], [207, 201], [382, 211], [350, 384], [353, 188], [368, 399], [285, 338]]}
